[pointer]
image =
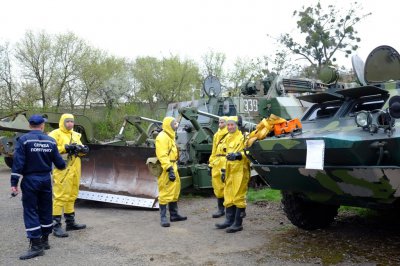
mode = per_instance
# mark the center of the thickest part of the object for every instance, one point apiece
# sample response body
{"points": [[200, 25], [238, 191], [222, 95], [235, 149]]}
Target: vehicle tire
{"points": [[307, 215], [8, 161]]}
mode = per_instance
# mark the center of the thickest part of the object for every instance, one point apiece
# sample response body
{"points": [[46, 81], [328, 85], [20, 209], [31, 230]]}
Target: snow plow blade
{"points": [[118, 174]]}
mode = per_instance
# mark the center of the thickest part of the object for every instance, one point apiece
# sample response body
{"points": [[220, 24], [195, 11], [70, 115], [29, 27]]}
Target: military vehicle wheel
{"points": [[305, 214], [8, 161]]}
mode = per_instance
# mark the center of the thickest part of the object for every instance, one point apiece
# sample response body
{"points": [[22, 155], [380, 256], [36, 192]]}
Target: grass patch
{"points": [[267, 194], [362, 212]]}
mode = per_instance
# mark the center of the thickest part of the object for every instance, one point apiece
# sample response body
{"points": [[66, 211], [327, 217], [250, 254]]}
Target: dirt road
{"points": [[126, 236]]}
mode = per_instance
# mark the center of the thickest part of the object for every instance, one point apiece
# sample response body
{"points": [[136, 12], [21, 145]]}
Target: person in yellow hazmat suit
{"points": [[235, 180], [66, 182], [216, 163], [246, 163], [169, 183]]}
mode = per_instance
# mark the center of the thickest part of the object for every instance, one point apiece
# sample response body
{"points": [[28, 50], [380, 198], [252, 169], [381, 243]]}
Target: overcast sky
{"points": [[189, 28]]}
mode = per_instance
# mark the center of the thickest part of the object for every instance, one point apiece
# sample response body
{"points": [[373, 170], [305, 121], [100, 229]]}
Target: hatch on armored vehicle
{"points": [[382, 65]]}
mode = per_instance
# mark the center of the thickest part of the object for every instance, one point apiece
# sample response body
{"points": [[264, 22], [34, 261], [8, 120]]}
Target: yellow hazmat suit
{"points": [[167, 154], [217, 161], [66, 182], [236, 181], [246, 170]]}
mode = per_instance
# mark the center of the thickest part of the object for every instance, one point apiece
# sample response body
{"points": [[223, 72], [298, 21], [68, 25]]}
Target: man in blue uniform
{"points": [[34, 155]]}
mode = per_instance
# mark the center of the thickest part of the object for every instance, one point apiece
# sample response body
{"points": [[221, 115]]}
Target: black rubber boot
{"points": [[173, 211], [70, 221], [35, 250], [229, 218], [163, 215], [57, 229], [237, 225], [45, 242], [221, 209]]}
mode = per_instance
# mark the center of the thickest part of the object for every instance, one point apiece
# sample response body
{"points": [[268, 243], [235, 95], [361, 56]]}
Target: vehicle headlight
{"points": [[363, 119]]}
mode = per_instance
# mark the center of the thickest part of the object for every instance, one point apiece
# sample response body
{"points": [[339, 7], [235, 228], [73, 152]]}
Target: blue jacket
{"points": [[34, 154]]}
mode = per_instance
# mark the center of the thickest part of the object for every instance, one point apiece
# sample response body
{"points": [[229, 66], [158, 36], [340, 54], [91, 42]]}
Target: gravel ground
{"points": [[118, 235]]}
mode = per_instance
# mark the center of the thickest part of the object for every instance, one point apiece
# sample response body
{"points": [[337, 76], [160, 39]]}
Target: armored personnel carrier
{"points": [[348, 151]]}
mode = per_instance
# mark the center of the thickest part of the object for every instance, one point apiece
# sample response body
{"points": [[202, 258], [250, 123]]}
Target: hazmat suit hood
{"points": [[233, 119], [167, 128], [61, 124], [225, 129]]}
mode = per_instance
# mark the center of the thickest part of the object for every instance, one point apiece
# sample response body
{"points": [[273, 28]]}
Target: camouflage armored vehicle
{"points": [[348, 151]]}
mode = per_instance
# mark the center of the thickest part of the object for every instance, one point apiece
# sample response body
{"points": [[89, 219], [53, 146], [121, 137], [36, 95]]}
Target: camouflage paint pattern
{"points": [[361, 168]]}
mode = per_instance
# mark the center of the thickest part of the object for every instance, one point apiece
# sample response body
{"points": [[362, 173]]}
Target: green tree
{"points": [[180, 79], [91, 74], [282, 64], [147, 72], [30, 95], [213, 64], [167, 80], [8, 88], [36, 55], [325, 32], [115, 81], [246, 70], [70, 50]]}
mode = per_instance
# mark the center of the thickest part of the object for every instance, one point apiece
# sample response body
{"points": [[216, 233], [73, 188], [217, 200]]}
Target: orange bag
{"points": [[287, 127], [263, 129]]}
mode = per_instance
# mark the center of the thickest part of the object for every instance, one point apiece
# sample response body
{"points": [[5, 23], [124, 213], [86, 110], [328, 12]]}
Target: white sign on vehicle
{"points": [[315, 154]]}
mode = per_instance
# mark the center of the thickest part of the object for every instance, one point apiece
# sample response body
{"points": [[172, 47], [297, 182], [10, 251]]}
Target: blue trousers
{"points": [[37, 203]]}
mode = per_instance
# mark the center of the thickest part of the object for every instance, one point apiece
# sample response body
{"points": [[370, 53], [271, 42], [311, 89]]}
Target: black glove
{"points": [[83, 149], [75, 149], [223, 175], [234, 156], [171, 174], [70, 149], [209, 170]]}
